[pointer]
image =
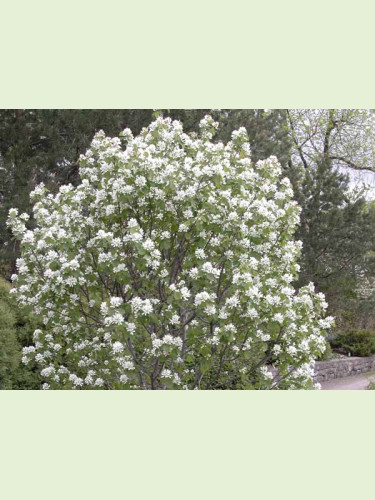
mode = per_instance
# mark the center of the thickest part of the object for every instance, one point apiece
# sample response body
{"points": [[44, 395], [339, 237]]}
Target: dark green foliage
{"points": [[337, 227], [355, 342], [9, 347], [338, 235], [16, 331], [267, 130]]}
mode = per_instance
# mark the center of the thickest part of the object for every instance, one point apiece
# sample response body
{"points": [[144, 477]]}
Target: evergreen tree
{"points": [[267, 130], [336, 229]]}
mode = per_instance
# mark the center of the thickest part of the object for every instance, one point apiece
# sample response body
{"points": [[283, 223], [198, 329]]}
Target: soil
{"points": [[352, 383]]}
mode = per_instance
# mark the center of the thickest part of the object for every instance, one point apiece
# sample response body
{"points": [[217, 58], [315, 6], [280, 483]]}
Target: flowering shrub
{"points": [[355, 342], [169, 266]]}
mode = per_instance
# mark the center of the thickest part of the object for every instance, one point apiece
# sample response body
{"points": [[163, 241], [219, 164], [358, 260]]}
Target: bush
{"points": [[16, 330], [169, 266], [10, 350], [355, 342]]}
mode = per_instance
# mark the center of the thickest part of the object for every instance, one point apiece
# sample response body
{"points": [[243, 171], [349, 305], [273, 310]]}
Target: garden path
{"points": [[352, 383]]}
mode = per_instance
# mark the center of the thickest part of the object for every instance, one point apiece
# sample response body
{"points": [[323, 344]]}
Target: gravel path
{"points": [[353, 383]]}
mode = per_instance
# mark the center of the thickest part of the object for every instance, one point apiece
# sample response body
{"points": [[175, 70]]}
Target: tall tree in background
{"points": [[267, 130], [336, 229]]}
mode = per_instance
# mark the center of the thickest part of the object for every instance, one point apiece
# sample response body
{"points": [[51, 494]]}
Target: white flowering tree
{"points": [[169, 266]]}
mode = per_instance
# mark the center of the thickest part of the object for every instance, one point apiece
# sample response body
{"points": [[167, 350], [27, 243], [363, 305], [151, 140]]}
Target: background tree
{"points": [[337, 231], [267, 131]]}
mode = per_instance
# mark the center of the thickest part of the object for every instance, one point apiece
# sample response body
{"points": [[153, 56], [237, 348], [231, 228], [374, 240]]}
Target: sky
{"points": [[361, 178]]}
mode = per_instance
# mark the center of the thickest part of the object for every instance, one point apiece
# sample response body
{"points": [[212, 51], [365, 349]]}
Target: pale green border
{"points": [[174, 54], [186, 445]]}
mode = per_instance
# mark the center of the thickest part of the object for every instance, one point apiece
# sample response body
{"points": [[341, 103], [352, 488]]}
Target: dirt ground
{"points": [[353, 383]]}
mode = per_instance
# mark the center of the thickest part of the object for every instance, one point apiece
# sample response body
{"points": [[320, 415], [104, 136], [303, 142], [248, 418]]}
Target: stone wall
{"points": [[343, 367]]}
